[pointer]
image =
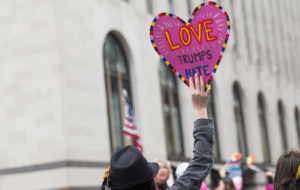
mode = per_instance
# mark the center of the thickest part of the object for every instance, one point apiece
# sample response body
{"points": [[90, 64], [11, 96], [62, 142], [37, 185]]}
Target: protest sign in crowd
{"points": [[193, 51]]}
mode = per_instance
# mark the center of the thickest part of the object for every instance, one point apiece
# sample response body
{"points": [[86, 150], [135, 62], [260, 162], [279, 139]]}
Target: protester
{"points": [[129, 170], [270, 181], [288, 171], [162, 176], [225, 183], [235, 173]]}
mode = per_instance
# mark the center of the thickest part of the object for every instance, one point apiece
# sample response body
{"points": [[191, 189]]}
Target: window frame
{"points": [[264, 128], [239, 117], [235, 36], [123, 81], [171, 6], [150, 6], [297, 122], [211, 112], [174, 156], [190, 9], [282, 125], [246, 33]]}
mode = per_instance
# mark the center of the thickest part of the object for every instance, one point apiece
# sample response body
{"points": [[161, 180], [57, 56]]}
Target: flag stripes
{"points": [[129, 126]]}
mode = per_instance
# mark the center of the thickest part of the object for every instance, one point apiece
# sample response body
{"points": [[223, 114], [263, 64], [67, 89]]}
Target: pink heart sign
{"points": [[193, 47]]}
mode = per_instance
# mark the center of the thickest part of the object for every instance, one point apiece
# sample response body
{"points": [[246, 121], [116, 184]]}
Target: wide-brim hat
{"points": [[128, 167]]}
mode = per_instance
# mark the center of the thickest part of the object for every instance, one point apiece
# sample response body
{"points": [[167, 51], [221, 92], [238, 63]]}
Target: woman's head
{"points": [[225, 184], [163, 173], [286, 170]]}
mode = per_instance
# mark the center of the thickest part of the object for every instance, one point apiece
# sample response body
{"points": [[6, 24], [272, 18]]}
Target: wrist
{"points": [[201, 113]]}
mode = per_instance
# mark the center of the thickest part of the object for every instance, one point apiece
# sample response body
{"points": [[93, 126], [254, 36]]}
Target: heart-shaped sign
{"points": [[193, 47]]}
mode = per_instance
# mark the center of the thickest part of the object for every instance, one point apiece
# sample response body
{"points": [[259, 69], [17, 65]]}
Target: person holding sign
{"points": [[129, 169]]}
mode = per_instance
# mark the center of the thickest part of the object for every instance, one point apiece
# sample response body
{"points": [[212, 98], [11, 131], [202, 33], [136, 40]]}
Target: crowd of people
{"points": [[225, 182], [129, 169]]}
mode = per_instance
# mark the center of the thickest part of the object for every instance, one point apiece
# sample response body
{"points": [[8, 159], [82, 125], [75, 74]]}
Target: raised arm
{"points": [[200, 166]]}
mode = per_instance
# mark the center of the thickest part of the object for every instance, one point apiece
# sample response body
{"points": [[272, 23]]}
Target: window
{"points": [[117, 79], [189, 8], [212, 115], [263, 128], [171, 6], [239, 118], [282, 125], [236, 40], [297, 123], [275, 24], [284, 52], [149, 6], [266, 35], [256, 32], [246, 32], [171, 112]]}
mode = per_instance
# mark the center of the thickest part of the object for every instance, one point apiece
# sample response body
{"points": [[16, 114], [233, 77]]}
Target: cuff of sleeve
{"points": [[203, 123]]}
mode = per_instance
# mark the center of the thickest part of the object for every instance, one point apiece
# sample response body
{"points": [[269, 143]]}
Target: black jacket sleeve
{"points": [[202, 162]]}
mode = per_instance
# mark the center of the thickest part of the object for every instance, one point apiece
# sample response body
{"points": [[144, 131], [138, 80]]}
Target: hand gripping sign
{"points": [[193, 47]]}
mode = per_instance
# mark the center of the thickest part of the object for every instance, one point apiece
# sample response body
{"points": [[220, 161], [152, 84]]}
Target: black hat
{"points": [[128, 167]]}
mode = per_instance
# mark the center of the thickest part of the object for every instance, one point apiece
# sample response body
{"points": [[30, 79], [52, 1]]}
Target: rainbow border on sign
{"points": [[188, 23]]}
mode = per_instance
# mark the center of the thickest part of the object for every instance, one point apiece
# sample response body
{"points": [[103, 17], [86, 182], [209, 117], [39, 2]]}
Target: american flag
{"points": [[129, 127]]}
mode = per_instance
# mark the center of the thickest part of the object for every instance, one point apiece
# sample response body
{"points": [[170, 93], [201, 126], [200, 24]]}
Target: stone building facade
{"points": [[63, 64]]}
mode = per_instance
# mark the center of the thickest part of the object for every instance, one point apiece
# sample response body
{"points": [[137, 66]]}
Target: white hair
{"points": [[165, 161]]}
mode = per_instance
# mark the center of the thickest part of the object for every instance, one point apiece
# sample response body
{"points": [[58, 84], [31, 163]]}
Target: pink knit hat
{"points": [[203, 186], [269, 187]]}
